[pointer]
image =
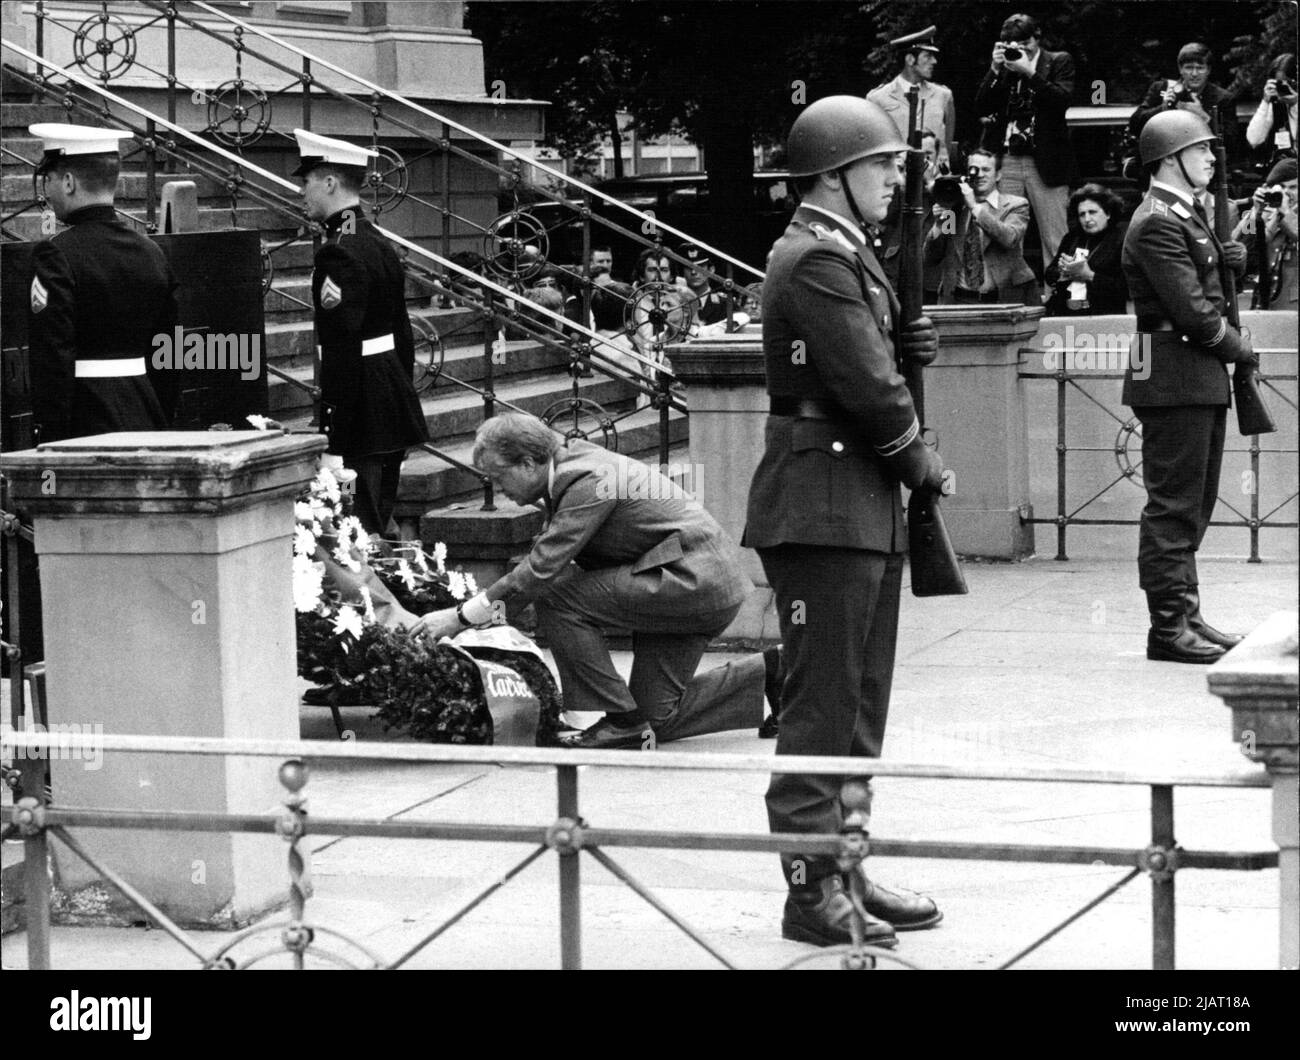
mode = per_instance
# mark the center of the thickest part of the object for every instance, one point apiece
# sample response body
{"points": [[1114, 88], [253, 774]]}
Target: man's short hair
{"points": [[1194, 53], [654, 254], [608, 305], [95, 173], [350, 178], [511, 437], [997, 158], [602, 248], [1020, 27]]}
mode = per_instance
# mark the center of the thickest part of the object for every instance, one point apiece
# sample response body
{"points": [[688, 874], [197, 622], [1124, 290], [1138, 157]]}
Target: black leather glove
{"points": [[920, 341], [1234, 256]]}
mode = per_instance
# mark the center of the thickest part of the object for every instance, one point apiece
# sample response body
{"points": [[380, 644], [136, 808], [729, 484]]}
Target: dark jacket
{"points": [[1107, 290], [368, 402], [1050, 91], [1211, 97], [1171, 260], [828, 323], [100, 292]]}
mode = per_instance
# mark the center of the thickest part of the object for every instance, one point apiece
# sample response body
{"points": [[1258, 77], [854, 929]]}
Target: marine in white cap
{"points": [[369, 407], [100, 292]]}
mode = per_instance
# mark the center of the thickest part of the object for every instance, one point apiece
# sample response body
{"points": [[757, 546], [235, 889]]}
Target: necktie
{"points": [[972, 256]]}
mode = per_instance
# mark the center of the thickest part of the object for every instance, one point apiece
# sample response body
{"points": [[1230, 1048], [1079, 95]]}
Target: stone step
{"points": [[15, 117]]}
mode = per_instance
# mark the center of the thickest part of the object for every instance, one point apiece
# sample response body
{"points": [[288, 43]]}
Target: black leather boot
{"points": [[772, 682], [1197, 623], [820, 914], [1171, 638]]}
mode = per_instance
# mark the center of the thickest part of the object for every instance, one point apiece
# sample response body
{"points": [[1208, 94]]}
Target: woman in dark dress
{"points": [[1085, 276]]}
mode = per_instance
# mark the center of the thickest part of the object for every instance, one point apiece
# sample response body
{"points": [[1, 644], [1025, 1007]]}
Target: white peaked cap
{"points": [[60, 139], [318, 150]]}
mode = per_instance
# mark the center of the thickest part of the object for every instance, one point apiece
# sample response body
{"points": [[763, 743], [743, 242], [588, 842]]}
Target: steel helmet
{"points": [[1169, 132], [837, 130]]}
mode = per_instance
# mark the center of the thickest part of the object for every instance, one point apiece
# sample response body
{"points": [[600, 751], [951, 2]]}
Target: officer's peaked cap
{"points": [[1169, 132], [316, 150], [836, 130], [66, 141]]}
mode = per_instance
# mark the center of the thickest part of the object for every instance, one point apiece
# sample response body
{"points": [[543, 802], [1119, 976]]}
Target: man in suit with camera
{"points": [[1193, 92], [1024, 97], [976, 242]]}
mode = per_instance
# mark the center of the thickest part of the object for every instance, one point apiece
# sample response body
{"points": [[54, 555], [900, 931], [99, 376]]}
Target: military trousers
{"points": [[375, 497], [838, 611], [1182, 452], [663, 688]]}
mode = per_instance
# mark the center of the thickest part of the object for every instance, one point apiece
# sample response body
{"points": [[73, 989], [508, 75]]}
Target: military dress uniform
{"points": [[1172, 259], [369, 407], [100, 292], [825, 512]]}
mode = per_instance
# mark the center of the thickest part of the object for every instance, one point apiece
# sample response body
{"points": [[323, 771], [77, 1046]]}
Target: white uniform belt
{"points": [[120, 366], [370, 347]]}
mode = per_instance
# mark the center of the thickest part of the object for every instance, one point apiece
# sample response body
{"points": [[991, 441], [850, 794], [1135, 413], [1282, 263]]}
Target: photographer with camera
{"points": [[1024, 97], [1193, 92], [1275, 211], [1274, 123], [977, 237]]}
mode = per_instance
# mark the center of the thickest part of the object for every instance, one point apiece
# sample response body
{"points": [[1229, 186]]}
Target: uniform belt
{"points": [[806, 408], [106, 368], [370, 347]]}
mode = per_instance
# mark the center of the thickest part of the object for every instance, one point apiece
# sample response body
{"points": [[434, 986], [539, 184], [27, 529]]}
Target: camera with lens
{"points": [[1012, 52], [1273, 198], [947, 188], [1181, 95], [1285, 89]]}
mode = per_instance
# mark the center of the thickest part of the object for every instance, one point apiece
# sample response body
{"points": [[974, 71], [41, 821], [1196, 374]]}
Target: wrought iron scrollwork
{"points": [[516, 246], [233, 105], [429, 355], [585, 418], [388, 180], [114, 51]]}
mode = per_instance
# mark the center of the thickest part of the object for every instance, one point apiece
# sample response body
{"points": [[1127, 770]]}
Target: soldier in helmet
{"points": [[1177, 379], [825, 513]]}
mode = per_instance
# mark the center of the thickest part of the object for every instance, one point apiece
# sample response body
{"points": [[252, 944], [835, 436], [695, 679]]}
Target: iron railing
{"points": [[1126, 452], [569, 835]]}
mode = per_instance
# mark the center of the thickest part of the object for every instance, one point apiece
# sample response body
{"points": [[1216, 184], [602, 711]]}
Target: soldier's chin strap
{"points": [[843, 173]]}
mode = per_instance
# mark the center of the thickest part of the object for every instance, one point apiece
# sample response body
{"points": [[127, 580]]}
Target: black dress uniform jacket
{"points": [[100, 292], [369, 404], [1052, 87], [828, 320], [1171, 260]]}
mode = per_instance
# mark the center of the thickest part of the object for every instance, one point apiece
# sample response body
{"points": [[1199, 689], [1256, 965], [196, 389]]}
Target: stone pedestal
{"points": [[1260, 680], [168, 607]]}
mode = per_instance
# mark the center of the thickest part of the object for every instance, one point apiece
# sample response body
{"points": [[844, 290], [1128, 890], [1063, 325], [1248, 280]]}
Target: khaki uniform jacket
{"points": [[1171, 261], [607, 510], [939, 114], [829, 317]]}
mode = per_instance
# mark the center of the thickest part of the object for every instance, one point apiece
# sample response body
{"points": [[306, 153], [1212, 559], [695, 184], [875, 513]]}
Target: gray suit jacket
{"points": [[1004, 235], [608, 510]]}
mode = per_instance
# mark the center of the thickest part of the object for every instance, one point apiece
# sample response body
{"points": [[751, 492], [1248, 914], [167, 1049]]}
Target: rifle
{"points": [[1252, 414], [935, 570], [1264, 289]]}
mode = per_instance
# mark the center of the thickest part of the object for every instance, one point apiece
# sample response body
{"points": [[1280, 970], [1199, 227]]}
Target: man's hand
{"points": [[968, 195], [920, 341], [1076, 269], [935, 480], [1234, 255], [1169, 96], [438, 624], [1270, 90], [999, 60], [1021, 66]]}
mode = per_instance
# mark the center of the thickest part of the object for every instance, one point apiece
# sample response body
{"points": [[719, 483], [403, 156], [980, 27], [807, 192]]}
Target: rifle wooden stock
{"points": [[935, 570], [1253, 416]]}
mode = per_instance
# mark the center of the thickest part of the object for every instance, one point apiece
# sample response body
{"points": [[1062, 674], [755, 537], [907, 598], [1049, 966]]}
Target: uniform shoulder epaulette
{"points": [[1182, 211], [833, 235], [1158, 206]]}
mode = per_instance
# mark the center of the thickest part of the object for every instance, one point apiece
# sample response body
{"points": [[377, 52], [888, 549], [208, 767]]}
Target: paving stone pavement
{"points": [[1042, 662]]}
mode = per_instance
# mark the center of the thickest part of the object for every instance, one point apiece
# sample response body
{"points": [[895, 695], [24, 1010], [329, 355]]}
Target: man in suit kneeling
{"points": [[623, 547]]}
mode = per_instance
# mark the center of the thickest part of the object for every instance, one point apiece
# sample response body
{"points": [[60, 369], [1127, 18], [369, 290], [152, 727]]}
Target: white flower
{"points": [[440, 556], [456, 584], [348, 620], [302, 512], [471, 586], [306, 584], [327, 485], [260, 422], [344, 556], [370, 605], [304, 541], [407, 575], [356, 532]]}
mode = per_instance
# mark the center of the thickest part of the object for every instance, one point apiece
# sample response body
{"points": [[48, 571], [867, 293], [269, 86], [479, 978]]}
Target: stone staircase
{"points": [[532, 376]]}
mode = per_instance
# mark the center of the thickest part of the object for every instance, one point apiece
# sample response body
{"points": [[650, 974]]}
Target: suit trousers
{"points": [[663, 688], [1182, 452], [1047, 203], [378, 476], [838, 610]]}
